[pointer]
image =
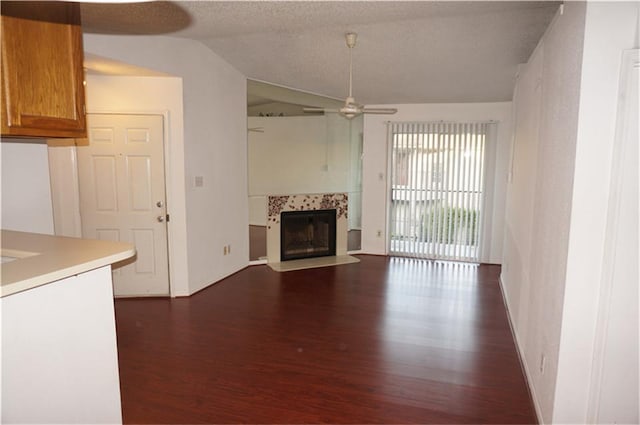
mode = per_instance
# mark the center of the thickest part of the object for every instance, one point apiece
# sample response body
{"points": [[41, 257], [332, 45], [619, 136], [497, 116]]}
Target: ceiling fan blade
{"points": [[380, 111]]}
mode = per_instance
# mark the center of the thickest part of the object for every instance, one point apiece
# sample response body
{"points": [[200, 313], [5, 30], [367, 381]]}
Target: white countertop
{"points": [[32, 259]]}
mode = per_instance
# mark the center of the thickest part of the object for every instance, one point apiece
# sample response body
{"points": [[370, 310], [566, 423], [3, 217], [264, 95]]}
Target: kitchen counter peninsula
{"points": [[59, 348], [32, 259]]}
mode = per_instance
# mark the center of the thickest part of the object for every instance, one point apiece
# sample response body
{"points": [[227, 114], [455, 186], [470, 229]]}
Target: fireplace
{"points": [[304, 204], [306, 234]]}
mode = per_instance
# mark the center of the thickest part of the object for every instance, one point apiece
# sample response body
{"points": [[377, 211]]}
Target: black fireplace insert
{"points": [[307, 234]]}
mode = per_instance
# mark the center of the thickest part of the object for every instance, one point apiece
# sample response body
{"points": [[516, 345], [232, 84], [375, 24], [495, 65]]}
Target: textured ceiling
{"points": [[407, 52]]}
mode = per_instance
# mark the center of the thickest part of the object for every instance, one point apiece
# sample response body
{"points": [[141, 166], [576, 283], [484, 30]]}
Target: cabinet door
{"points": [[42, 74]]}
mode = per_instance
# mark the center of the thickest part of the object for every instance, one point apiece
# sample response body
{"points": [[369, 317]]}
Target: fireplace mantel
{"points": [[305, 202]]}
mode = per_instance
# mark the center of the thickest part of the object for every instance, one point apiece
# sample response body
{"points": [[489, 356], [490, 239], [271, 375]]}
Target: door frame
{"points": [[167, 174]]}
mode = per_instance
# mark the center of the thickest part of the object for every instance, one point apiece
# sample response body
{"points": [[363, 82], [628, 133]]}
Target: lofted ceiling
{"points": [[407, 51]]}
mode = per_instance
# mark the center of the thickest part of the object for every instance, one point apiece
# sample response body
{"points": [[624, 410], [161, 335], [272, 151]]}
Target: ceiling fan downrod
{"points": [[351, 109], [351, 38]]}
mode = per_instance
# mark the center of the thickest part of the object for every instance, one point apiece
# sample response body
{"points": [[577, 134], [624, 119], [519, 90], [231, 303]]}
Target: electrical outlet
{"points": [[224, 250], [379, 233], [543, 361]]}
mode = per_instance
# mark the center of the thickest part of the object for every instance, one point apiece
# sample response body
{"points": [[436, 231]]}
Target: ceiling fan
{"points": [[351, 109]]}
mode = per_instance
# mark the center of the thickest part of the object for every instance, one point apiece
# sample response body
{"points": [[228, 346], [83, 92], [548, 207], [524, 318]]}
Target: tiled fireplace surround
{"points": [[305, 202]]}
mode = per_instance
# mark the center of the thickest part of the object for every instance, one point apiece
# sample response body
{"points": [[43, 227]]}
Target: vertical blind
{"points": [[437, 182]]}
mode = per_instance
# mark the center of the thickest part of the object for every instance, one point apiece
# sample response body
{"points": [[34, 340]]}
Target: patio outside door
{"points": [[437, 184]]}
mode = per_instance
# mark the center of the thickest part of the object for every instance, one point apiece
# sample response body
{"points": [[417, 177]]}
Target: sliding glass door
{"points": [[437, 189]]}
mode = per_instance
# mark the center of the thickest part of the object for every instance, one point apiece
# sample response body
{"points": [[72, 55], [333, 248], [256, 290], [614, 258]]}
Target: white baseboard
{"points": [[523, 363]]}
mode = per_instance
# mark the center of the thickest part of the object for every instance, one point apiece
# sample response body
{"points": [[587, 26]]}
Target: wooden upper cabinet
{"points": [[42, 73]]}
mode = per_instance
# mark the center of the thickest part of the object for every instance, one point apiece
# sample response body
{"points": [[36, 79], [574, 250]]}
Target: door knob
{"points": [[159, 204], [160, 218]]}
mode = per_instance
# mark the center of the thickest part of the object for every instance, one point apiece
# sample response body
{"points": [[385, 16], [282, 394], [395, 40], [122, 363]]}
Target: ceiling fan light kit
{"points": [[351, 109]]}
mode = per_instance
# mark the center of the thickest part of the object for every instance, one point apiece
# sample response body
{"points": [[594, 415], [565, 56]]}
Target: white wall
{"points": [[539, 198], [520, 200], [565, 102], [374, 174], [59, 353], [298, 155], [26, 192], [215, 147], [610, 28]]}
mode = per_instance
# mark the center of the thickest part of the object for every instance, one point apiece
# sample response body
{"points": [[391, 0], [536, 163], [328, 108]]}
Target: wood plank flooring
{"points": [[386, 340]]}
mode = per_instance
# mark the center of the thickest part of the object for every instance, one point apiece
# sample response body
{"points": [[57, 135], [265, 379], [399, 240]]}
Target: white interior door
{"points": [[122, 196]]}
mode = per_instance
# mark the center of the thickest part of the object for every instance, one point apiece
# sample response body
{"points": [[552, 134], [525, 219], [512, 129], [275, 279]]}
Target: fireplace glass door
{"points": [[307, 234]]}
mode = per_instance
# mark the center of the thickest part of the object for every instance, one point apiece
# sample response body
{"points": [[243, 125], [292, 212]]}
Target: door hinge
{"points": [[167, 218]]}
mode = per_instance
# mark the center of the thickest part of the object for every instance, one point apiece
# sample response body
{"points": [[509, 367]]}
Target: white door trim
{"points": [[624, 121]]}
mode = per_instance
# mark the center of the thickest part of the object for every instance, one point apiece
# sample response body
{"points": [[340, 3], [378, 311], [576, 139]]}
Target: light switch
{"points": [[199, 181]]}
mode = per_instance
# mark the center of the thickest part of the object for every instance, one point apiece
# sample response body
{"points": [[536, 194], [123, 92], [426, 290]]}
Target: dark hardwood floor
{"points": [[384, 341]]}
